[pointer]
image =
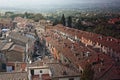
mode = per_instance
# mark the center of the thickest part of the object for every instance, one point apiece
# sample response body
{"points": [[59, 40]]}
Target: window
{"points": [[13, 67], [65, 60], [32, 72], [40, 71], [3, 66], [71, 79]]}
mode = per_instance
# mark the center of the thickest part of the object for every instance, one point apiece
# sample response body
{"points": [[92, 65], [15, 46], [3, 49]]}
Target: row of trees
{"points": [[100, 27], [65, 21], [108, 30], [35, 17]]}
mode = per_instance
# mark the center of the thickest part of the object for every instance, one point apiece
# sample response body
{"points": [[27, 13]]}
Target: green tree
{"points": [[63, 20], [88, 72], [8, 14], [79, 26], [26, 15], [38, 17], [16, 15], [55, 22], [69, 21]]}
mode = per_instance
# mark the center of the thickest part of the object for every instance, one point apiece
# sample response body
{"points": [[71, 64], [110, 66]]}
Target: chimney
{"points": [[102, 61], [99, 69], [111, 39], [75, 37], [87, 54], [72, 46]]}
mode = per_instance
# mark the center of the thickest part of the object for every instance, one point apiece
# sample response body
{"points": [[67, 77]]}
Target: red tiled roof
{"points": [[114, 20], [77, 55], [46, 77], [59, 70], [35, 77], [14, 76], [109, 42]]}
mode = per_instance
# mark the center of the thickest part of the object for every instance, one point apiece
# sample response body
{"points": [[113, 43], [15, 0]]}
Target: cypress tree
{"points": [[63, 20], [69, 21]]}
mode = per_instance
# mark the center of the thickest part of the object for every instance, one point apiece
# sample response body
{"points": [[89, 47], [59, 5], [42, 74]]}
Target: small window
{"points": [[32, 72], [40, 71], [13, 67], [71, 79]]}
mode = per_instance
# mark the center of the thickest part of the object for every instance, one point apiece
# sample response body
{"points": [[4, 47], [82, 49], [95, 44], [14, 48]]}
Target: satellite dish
{"points": [[10, 40]]}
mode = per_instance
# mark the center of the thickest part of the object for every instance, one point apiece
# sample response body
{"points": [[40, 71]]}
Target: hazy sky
{"points": [[33, 3]]}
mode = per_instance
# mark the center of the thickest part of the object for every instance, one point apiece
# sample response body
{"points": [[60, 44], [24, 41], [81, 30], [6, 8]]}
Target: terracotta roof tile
{"points": [[14, 76], [7, 46], [78, 55], [18, 48], [59, 70]]}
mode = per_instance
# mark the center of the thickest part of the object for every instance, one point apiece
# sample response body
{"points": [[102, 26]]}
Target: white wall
{"points": [[37, 72], [44, 71]]}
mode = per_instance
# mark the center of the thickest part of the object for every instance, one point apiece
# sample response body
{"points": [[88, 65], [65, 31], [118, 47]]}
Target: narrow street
{"points": [[40, 50]]}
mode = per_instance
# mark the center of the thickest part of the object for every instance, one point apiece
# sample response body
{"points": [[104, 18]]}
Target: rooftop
{"points": [[18, 37], [13, 76], [77, 52], [59, 70], [17, 48], [7, 46], [110, 42]]}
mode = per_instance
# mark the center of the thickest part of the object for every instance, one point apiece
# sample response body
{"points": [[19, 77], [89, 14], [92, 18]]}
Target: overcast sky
{"points": [[33, 3]]}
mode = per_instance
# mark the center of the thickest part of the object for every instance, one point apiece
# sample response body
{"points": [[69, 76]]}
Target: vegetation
{"points": [[55, 22], [16, 15], [69, 21], [108, 30], [63, 20], [99, 21], [88, 72], [38, 17], [35, 17], [8, 14]]}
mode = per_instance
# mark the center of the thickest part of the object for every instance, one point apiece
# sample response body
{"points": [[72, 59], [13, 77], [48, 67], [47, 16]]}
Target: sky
{"points": [[47, 3]]}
